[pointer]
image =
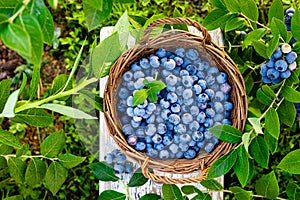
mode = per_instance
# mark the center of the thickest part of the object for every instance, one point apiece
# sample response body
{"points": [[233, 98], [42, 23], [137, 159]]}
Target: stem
{"points": [[24, 156], [127, 189], [12, 18], [256, 22], [56, 96]]}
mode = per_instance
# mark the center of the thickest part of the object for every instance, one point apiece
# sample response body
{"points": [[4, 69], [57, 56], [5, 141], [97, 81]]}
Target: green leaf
{"points": [[93, 16], [15, 197], [232, 6], [287, 113], [3, 20], [5, 149], [227, 133], [137, 179], [263, 98], [4, 92], [31, 25], [69, 161], [290, 162], [34, 83], [272, 45], [242, 167], [105, 54], [67, 111], [271, 142], [249, 9], [293, 191], [35, 117], [267, 90], [260, 48], [211, 184], [139, 97], [35, 172], [216, 18], [111, 195], [222, 165], [59, 83], [272, 123], [53, 3], [295, 26], [254, 36], [9, 108], [22, 151], [24, 82], [9, 139], [156, 86], [259, 151], [190, 189], [276, 10], [3, 162], [16, 38], [94, 98], [17, 169], [176, 13], [241, 194], [255, 122], [55, 177], [202, 196], [53, 144], [150, 197], [122, 27], [267, 186], [278, 28], [217, 3], [104, 172], [152, 96], [291, 94], [246, 139], [171, 192], [234, 24]]}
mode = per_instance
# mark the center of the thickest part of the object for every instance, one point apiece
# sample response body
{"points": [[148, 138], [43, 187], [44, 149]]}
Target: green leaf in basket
{"points": [[156, 85], [137, 179], [139, 97]]}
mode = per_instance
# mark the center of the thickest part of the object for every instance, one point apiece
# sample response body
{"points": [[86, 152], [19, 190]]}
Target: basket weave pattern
{"points": [[146, 47]]}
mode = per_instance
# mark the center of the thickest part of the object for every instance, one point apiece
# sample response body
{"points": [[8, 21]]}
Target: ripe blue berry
{"points": [[123, 93], [154, 61], [291, 57], [127, 76], [286, 74], [161, 53], [222, 78], [187, 93], [127, 129], [180, 52], [165, 104], [194, 110], [197, 136], [280, 66], [187, 81], [108, 158], [194, 126], [187, 118], [139, 84], [174, 119], [138, 74], [192, 54], [128, 168], [175, 108], [272, 74], [179, 61], [164, 154], [170, 64], [171, 80], [167, 140], [172, 97], [218, 107], [191, 69], [150, 130], [203, 98], [119, 168], [277, 53], [135, 67], [202, 84], [161, 128], [190, 154], [212, 71]]}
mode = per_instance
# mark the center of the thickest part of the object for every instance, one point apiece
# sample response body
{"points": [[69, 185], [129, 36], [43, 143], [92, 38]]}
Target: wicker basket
{"points": [[238, 96]]}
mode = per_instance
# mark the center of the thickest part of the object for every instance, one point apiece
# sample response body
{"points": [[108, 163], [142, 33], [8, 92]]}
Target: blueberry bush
{"points": [[260, 36]]}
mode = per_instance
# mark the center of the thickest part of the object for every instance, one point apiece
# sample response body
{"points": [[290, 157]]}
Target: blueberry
{"points": [[212, 71], [209, 147], [207, 135], [128, 168], [288, 20], [151, 152], [167, 140], [143, 105], [183, 146], [188, 102], [161, 53], [225, 88], [175, 108], [120, 158], [218, 107], [161, 128], [277, 54], [202, 84], [171, 80], [174, 119], [210, 112], [187, 81], [201, 75], [219, 96], [280, 66], [150, 130], [151, 119], [197, 89], [172, 97], [197, 136], [140, 146], [180, 128], [291, 57], [190, 154], [154, 61], [130, 85], [210, 80], [183, 72], [194, 110], [187, 118], [149, 79], [266, 80], [139, 111], [159, 119], [123, 93], [108, 158], [290, 10], [203, 98], [192, 54], [263, 69], [286, 74], [156, 139], [150, 108], [187, 93], [193, 143], [276, 81], [159, 146], [208, 122], [228, 106], [194, 126], [222, 78], [210, 93], [139, 84], [272, 74], [164, 154], [191, 69], [203, 66], [214, 140], [135, 67], [165, 113], [138, 74], [165, 104], [202, 106], [127, 76], [270, 64], [127, 129], [119, 168], [179, 61], [174, 148], [170, 64], [180, 52], [226, 121], [179, 154], [201, 117], [166, 73]]}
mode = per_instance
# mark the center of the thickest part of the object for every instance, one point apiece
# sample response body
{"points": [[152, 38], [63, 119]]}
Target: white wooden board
{"points": [[107, 144]]}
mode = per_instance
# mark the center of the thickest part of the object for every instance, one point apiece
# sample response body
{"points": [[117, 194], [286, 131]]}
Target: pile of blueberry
{"points": [[119, 162], [196, 98], [288, 19], [280, 65]]}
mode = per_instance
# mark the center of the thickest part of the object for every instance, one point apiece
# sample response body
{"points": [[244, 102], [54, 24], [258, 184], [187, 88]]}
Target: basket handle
{"points": [[177, 20], [168, 180]]}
